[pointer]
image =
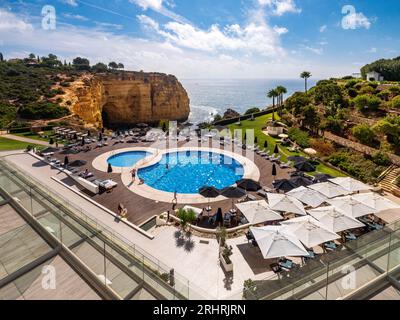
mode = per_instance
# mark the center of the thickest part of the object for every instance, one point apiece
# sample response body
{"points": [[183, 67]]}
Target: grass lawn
{"points": [[9, 145], [35, 136], [261, 122]]}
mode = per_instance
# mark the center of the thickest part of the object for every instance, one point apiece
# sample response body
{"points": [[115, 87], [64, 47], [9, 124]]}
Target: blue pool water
{"points": [[127, 159], [187, 172]]}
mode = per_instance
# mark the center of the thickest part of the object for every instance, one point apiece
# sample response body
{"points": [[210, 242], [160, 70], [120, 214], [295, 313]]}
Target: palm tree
{"points": [[306, 75], [273, 94], [281, 91]]}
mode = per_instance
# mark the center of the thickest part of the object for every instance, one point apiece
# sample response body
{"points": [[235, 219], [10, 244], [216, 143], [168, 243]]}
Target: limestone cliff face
{"points": [[128, 98]]}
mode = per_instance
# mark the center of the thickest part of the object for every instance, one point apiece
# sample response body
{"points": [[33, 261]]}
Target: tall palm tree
{"points": [[273, 94], [306, 75], [281, 91]]}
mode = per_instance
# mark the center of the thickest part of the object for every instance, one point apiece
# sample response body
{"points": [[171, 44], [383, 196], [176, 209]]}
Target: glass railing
{"points": [[337, 274], [72, 225]]}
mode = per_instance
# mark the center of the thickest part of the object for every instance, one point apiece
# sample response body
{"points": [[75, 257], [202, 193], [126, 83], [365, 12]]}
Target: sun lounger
{"points": [[108, 184]]}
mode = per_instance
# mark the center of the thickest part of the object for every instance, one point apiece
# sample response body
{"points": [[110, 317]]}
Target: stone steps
{"points": [[388, 183]]}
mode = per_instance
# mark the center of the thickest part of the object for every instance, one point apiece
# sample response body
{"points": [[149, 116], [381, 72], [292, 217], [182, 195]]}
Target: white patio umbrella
{"points": [[308, 196], [350, 184], [257, 212], [329, 190], [351, 206], [277, 241], [310, 151], [285, 203], [376, 201], [334, 219], [310, 231]]}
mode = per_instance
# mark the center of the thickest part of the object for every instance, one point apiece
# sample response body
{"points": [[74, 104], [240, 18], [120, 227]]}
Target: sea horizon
{"points": [[209, 97]]}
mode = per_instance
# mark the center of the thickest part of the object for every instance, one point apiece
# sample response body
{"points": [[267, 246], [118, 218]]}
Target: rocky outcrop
{"points": [[128, 98], [230, 113]]}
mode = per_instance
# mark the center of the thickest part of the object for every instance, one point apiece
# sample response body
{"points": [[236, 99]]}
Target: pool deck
{"points": [[144, 202], [194, 258]]}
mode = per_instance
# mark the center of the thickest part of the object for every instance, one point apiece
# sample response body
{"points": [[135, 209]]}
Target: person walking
{"points": [[133, 174]]}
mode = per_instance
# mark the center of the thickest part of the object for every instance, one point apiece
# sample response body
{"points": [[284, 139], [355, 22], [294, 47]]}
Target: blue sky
{"points": [[209, 38]]}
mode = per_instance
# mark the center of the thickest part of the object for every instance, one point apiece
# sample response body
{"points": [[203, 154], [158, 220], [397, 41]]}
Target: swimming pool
{"points": [[186, 172], [127, 159]]}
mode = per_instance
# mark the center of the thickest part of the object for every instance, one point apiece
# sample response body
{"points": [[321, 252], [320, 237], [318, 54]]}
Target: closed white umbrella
{"points": [[351, 206], [308, 196], [277, 241], [257, 212], [310, 231], [285, 203], [376, 201], [334, 219], [329, 190], [350, 184]]}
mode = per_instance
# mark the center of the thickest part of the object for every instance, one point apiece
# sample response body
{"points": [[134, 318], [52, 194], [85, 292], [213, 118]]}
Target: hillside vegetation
{"points": [[29, 88], [388, 68]]}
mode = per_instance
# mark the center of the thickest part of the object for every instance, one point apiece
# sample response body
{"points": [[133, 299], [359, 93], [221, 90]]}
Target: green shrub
{"points": [[364, 134], [365, 103], [381, 159], [300, 137], [352, 93], [357, 165], [396, 103], [252, 110], [43, 110]]}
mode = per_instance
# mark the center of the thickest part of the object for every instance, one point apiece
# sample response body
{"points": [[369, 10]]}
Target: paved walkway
{"points": [[194, 259], [27, 140]]}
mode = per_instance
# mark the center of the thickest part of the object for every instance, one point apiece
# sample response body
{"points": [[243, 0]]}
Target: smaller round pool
{"points": [[127, 159]]}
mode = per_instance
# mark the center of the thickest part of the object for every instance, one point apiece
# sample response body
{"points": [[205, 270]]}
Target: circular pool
{"points": [[186, 172], [127, 159]]}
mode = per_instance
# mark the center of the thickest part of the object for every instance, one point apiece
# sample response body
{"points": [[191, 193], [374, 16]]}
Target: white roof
{"points": [[351, 206], [308, 196], [334, 219], [310, 231], [257, 212], [351, 184], [277, 242], [329, 190], [285, 203], [376, 201]]}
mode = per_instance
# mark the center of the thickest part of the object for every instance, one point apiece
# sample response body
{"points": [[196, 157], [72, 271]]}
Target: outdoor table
{"points": [[286, 264], [350, 236], [311, 254], [330, 246]]}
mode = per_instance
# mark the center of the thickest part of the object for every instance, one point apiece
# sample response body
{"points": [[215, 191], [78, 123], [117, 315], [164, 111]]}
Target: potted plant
{"points": [[186, 217], [249, 290], [221, 236], [161, 220], [225, 258]]}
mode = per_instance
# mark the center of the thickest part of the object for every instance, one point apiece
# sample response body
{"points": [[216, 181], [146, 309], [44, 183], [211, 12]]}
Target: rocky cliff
{"points": [[127, 98]]}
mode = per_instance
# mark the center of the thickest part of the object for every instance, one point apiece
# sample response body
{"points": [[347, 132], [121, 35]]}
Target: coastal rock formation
{"points": [[127, 98], [230, 113]]}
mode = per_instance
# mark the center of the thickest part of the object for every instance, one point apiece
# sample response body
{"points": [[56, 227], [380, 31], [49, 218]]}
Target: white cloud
{"points": [[75, 17], [372, 50], [70, 2], [356, 20], [149, 4], [318, 51], [280, 30], [11, 23], [280, 7], [254, 37], [323, 28], [158, 6], [166, 56]]}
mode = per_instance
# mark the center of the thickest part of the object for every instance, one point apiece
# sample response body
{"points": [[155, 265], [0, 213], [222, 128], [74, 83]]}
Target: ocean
{"points": [[211, 97]]}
